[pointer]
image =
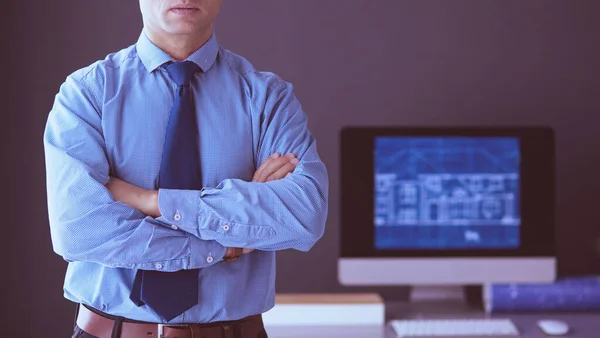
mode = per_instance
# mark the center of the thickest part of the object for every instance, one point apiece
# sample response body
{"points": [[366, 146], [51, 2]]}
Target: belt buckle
{"points": [[161, 329]]}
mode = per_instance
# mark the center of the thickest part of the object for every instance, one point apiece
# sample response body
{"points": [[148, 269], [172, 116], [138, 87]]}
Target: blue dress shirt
{"points": [[110, 118]]}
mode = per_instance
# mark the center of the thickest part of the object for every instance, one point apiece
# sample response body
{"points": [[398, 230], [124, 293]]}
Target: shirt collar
{"points": [[152, 56]]}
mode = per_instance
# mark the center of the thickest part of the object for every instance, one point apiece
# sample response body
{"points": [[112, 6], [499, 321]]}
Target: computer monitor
{"points": [[433, 206]]}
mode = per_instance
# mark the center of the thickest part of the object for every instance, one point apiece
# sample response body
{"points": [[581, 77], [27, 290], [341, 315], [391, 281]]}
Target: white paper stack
{"points": [[326, 310]]}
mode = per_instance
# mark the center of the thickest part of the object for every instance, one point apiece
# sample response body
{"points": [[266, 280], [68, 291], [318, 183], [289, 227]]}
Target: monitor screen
{"points": [[450, 192]]}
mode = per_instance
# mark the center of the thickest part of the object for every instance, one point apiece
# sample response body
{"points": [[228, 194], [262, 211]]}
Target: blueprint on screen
{"points": [[447, 192]]}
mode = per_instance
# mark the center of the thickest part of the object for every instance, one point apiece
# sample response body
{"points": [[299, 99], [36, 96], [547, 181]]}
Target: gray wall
{"points": [[6, 202], [367, 62]]}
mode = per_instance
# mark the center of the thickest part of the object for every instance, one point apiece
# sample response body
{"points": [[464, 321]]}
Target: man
{"points": [[167, 193]]}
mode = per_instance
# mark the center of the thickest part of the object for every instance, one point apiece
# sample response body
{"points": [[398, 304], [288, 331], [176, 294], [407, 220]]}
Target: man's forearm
{"points": [[93, 228], [273, 168], [146, 201]]}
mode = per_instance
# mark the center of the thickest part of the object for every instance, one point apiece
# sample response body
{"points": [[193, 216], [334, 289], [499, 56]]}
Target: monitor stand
{"points": [[452, 294], [436, 301]]}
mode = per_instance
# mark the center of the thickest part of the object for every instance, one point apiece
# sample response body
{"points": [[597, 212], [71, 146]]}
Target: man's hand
{"points": [[275, 167], [143, 200]]}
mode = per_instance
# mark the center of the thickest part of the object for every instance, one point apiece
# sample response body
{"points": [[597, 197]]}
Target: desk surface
{"points": [[582, 325]]}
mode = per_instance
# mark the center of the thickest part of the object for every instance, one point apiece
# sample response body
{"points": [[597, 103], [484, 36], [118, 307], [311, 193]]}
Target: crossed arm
{"points": [[275, 167], [92, 223]]}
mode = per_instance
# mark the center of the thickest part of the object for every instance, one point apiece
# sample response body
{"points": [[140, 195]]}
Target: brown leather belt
{"points": [[102, 327]]}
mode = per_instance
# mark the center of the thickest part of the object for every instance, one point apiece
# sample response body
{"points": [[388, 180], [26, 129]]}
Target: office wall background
{"points": [[353, 62]]}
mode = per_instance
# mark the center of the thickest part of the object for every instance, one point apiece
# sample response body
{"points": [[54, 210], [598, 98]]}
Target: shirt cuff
{"points": [[179, 208], [206, 253], [218, 230], [201, 255]]}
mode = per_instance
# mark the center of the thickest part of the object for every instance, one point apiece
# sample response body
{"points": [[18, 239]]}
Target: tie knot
{"points": [[182, 72]]}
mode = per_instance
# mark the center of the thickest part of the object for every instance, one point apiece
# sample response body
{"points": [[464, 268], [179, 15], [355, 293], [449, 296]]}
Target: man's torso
{"points": [[134, 105]]}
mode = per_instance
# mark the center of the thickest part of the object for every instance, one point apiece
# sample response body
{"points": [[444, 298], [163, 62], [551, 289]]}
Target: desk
{"points": [[583, 325]]}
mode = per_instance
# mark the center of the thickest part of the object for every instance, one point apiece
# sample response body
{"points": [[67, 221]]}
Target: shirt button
{"points": [[177, 216], [159, 266], [174, 227], [226, 227], [209, 259]]}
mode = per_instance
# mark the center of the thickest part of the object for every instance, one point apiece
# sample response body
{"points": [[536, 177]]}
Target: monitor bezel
{"points": [[537, 178]]}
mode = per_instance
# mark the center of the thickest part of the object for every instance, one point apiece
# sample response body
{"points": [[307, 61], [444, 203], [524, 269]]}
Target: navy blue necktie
{"points": [[171, 293]]}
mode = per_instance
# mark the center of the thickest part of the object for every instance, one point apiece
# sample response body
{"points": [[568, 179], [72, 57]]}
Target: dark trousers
{"points": [[79, 333]]}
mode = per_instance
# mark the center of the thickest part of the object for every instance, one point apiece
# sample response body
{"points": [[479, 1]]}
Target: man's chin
{"points": [[184, 29]]}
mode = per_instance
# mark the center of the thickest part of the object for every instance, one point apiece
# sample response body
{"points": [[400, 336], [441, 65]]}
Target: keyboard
{"points": [[455, 328]]}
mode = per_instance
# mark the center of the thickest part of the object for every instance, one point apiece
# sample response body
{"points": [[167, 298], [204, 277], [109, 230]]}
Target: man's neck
{"points": [[179, 47]]}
